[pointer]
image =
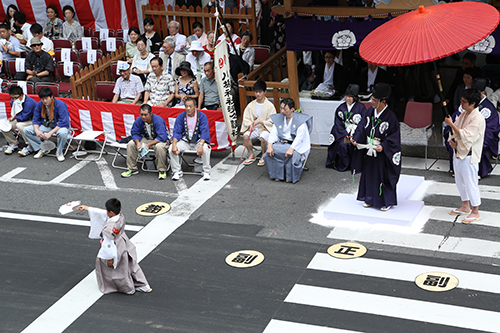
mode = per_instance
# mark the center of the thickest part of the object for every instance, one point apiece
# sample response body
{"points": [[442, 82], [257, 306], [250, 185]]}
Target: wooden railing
{"points": [[283, 64], [243, 19], [83, 82]]}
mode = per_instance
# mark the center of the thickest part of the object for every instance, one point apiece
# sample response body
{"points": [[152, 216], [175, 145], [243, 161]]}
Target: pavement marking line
{"points": [[74, 169], [58, 220], [180, 185], [76, 301], [403, 271], [486, 191], [489, 219], [395, 307], [106, 175], [11, 174], [467, 246], [88, 187], [280, 326]]}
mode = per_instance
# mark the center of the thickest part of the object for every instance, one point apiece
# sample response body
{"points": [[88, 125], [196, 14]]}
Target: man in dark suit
{"points": [[370, 76], [329, 72]]}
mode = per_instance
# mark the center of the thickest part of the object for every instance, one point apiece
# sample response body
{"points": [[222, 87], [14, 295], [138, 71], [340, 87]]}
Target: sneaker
{"points": [[144, 289], [385, 208], [25, 151], [60, 157], [206, 176], [162, 175], [40, 154], [129, 173], [10, 150], [177, 175]]}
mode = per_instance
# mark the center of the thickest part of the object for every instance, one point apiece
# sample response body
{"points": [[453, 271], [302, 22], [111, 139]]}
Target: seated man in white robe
{"points": [[289, 143], [116, 266]]}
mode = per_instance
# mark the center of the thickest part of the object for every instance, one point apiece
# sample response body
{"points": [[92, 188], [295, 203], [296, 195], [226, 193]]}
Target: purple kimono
{"points": [[490, 144], [380, 173], [340, 153]]}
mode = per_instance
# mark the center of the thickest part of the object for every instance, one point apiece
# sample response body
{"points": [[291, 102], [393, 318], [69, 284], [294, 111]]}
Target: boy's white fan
{"points": [[69, 207]]}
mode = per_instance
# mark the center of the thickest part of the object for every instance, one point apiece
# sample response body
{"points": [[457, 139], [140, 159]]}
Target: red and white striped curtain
{"points": [[105, 14]]}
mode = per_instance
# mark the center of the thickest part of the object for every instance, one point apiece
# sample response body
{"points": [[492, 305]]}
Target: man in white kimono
{"points": [[289, 143], [116, 266]]}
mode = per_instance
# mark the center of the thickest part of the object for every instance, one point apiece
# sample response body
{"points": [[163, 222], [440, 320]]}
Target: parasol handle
{"points": [[441, 95]]}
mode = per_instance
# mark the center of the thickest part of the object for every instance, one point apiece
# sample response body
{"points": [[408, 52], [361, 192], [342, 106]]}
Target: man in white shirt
{"points": [[197, 57], [289, 143], [180, 40], [37, 31], [20, 21], [128, 88]]}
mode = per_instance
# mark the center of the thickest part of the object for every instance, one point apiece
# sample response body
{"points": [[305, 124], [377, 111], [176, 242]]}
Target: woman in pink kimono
{"points": [[116, 266]]}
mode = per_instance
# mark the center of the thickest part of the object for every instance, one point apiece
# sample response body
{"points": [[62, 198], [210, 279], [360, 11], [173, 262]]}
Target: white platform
{"points": [[345, 206]]}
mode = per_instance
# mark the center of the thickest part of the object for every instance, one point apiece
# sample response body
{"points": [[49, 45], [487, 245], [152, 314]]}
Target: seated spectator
{"points": [[141, 63], [171, 59], [329, 73], [37, 31], [490, 143], [152, 37], [370, 76], [148, 130], [347, 116], [257, 122], [186, 85], [209, 93], [224, 6], [197, 58], [21, 114], [245, 50], [180, 40], [210, 47], [160, 86], [53, 27], [468, 61], [131, 46], [20, 22], [128, 88], [39, 65], [9, 19], [470, 74], [50, 117], [198, 34], [190, 132], [72, 30], [11, 47], [228, 34], [188, 3], [289, 143]]}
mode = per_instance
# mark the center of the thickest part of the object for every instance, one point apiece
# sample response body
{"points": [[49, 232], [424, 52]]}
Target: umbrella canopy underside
{"points": [[426, 35]]}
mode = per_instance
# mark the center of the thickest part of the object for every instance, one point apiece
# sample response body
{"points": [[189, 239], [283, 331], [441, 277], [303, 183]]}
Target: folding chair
{"points": [[78, 44], [11, 68], [87, 32], [91, 136], [62, 43], [104, 49], [53, 86], [30, 86], [104, 90], [261, 53], [117, 146], [416, 130], [84, 59], [114, 70], [64, 84], [73, 55]]}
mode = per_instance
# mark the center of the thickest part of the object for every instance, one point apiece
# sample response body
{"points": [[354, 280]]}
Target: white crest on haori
{"points": [[356, 118], [331, 139], [367, 122], [486, 113], [396, 158], [383, 127], [343, 39], [341, 115], [485, 46]]}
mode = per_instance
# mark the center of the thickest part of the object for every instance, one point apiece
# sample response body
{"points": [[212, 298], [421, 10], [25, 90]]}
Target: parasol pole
{"points": [[441, 95]]}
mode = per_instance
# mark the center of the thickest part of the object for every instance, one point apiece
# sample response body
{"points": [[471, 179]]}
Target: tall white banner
{"points": [[223, 78]]}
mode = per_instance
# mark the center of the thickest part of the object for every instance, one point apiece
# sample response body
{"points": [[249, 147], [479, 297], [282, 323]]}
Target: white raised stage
{"points": [[345, 206]]}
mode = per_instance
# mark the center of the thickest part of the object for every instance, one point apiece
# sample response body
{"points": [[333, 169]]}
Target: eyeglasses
{"points": [[464, 101]]}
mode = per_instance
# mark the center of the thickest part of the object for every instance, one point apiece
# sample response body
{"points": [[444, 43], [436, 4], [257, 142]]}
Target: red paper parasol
{"points": [[429, 33]]}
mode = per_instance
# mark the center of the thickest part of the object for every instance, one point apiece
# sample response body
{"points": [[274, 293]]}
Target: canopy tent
{"points": [[106, 14]]}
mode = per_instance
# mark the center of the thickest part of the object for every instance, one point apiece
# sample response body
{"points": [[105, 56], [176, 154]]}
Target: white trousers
{"points": [[175, 160], [467, 180], [256, 135]]}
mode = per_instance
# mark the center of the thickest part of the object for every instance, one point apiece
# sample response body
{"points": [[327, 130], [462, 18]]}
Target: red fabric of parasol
{"points": [[429, 33]]}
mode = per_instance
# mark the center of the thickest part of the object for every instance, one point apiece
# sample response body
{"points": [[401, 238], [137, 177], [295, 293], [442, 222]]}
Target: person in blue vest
{"points": [[490, 144], [289, 143]]}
